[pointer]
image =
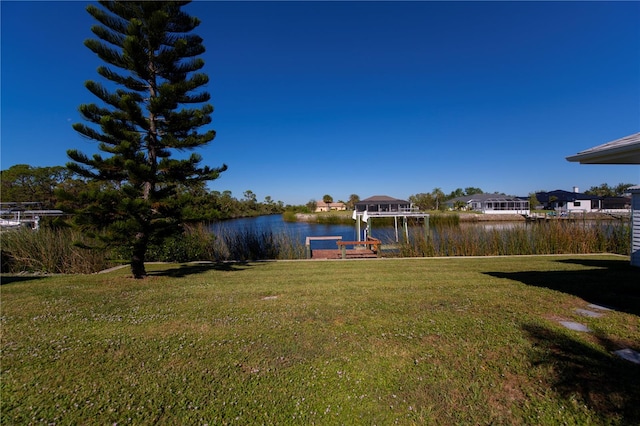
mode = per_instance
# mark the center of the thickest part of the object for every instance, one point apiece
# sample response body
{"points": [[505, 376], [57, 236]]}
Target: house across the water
{"points": [[567, 202], [616, 204], [383, 203], [382, 206], [491, 203], [321, 206]]}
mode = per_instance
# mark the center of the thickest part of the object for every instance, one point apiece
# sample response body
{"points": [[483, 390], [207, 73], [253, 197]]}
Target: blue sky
{"points": [[371, 98]]}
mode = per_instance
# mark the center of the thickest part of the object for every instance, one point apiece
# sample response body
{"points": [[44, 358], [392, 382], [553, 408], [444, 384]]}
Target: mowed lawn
{"points": [[383, 341]]}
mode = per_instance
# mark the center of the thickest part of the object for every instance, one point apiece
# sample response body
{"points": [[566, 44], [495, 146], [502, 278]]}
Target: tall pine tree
{"points": [[152, 108]]}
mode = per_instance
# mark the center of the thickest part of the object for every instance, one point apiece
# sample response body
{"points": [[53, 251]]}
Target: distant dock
{"points": [[17, 215]]}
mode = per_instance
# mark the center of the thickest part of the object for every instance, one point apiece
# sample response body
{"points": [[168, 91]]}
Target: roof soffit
{"points": [[625, 150]]}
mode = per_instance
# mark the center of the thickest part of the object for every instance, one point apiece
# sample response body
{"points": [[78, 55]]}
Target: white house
{"points": [[635, 225], [569, 201], [492, 203], [625, 150]]}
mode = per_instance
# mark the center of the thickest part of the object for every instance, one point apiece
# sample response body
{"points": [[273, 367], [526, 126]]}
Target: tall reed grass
{"points": [[53, 251], [198, 243], [450, 219], [256, 245], [49, 250], [555, 237]]}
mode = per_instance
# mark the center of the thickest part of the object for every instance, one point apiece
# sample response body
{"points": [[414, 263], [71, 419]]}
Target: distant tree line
{"points": [[605, 190], [24, 183], [51, 186], [435, 199]]}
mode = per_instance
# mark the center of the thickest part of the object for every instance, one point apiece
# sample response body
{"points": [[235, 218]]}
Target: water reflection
{"points": [[298, 231]]}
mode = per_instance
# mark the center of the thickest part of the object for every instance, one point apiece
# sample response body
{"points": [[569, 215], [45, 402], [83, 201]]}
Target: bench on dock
{"points": [[308, 240], [371, 244]]}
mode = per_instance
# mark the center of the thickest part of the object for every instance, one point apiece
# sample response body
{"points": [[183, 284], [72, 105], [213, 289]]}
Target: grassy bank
{"points": [[411, 341], [327, 218]]}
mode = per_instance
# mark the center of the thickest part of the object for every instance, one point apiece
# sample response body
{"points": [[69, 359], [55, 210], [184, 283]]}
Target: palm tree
{"points": [[438, 196]]}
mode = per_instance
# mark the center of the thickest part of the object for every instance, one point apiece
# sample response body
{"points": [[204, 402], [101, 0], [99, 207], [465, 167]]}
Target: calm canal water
{"points": [[300, 230], [295, 230]]}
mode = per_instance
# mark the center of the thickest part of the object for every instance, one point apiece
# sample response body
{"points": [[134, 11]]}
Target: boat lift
{"points": [[405, 214]]}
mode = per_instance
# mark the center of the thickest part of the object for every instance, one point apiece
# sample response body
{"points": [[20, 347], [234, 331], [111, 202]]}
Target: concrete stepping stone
{"points": [[588, 313], [576, 326], [598, 307], [629, 355]]}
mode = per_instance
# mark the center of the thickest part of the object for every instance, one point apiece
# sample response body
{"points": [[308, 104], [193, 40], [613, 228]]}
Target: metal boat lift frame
{"points": [[367, 216]]}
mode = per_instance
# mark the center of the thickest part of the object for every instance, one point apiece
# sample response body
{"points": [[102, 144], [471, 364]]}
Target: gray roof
{"points": [[561, 195], [382, 199], [625, 150]]}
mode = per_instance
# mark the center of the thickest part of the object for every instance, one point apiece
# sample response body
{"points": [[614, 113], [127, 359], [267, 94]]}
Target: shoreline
{"points": [[485, 217]]}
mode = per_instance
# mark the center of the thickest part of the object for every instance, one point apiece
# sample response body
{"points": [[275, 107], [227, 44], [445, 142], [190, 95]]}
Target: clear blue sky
{"points": [[370, 98]]}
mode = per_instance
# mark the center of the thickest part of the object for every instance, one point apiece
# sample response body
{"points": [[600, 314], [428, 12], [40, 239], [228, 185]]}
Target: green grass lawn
{"points": [[382, 341]]}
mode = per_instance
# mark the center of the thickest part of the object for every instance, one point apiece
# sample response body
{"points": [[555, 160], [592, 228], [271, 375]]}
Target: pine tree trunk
{"points": [[137, 258]]}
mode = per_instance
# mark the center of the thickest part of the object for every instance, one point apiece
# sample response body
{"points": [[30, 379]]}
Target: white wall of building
{"points": [[635, 226]]}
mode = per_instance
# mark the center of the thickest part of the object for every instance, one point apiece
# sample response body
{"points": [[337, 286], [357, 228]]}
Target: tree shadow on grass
{"points": [[200, 268], [11, 279], [611, 283], [604, 383]]}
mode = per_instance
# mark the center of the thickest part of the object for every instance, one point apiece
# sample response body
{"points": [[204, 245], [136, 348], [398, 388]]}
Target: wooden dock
{"points": [[361, 249], [337, 254]]}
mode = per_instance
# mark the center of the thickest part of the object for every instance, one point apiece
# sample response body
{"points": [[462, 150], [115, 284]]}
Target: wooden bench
{"points": [[371, 243]]}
